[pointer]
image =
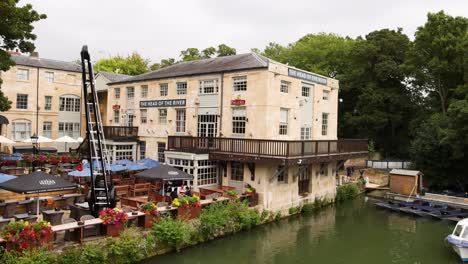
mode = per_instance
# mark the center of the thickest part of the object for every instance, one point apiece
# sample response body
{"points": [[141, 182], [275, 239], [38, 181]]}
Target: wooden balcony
{"points": [[121, 133], [258, 150]]}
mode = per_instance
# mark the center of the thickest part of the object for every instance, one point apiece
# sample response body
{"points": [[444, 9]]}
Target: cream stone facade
{"points": [[244, 101], [46, 100]]}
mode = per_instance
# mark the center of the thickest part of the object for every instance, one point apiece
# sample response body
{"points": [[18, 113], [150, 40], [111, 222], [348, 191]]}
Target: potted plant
{"points": [[231, 194], [187, 207], [250, 190], [151, 214], [113, 220], [22, 235]]}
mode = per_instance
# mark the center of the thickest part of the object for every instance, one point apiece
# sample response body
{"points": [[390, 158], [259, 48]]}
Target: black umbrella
{"points": [[164, 172], [37, 182]]}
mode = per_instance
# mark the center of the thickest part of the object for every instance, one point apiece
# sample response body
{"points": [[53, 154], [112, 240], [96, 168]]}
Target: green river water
{"points": [[352, 232]]}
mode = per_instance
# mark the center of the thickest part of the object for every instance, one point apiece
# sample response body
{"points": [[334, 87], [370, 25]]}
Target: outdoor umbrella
{"points": [[37, 182], [6, 177], [150, 163], [66, 140], [135, 167], [40, 139], [164, 172], [125, 162], [5, 140]]}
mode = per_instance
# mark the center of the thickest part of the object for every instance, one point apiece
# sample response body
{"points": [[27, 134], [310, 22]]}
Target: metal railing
{"points": [[120, 132]]}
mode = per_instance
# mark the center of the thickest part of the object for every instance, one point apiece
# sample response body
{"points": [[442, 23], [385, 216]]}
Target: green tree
{"points": [[225, 50], [133, 64], [15, 32], [190, 54], [208, 52]]}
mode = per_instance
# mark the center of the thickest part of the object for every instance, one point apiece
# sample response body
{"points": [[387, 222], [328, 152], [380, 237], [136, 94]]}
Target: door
{"points": [[304, 179], [236, 178], [207, 128]]}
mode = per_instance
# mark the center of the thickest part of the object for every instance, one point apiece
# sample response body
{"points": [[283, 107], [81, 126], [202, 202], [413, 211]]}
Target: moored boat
{"points": [[459, 239]]}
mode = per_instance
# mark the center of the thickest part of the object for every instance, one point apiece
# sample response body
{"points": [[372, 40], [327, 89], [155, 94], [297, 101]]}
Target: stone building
{"points": [[46, 100], [237, 120]]}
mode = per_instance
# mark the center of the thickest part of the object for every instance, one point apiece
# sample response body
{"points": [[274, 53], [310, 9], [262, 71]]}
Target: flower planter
{"points": [[149, 220], [187, 213], [114, 230]]}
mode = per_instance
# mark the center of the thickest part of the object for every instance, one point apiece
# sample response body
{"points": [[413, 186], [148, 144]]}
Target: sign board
{"points": [[163, 103], [115, 107], [307, 76], [238, 102]]}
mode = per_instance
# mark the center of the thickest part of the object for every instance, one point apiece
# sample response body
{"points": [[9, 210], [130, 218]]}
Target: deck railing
{"points": [[120, 132], [264, 147]]}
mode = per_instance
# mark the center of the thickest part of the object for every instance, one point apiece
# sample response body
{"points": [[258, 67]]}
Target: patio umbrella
{"points": [[66, 140], [135, 167], [40, 139], [5, 140], [86, 172], [125, 162], [150, 163], [37, 182], [164, 172], [6, 177]]}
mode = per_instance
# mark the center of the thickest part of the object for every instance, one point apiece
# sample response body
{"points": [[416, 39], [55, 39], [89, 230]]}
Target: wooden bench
{"points": [[122, 190], [140, 188]]}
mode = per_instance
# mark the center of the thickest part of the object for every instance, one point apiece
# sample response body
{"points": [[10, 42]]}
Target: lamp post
{"points": [[34, 139]]}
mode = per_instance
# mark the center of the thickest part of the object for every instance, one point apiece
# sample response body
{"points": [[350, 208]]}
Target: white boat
{"points": [[459, 239]]}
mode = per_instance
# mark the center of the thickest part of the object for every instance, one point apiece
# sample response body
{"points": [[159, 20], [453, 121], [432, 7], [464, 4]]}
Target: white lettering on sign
{"points": [[163, 103], [46, 182], [307, 76], [172, 173]]}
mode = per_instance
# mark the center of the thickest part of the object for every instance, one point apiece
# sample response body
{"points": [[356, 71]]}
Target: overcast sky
{"points": [[161, 29]]}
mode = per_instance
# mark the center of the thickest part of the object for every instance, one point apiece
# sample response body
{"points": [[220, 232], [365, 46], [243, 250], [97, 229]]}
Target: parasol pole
{"points": [[37, 207]]}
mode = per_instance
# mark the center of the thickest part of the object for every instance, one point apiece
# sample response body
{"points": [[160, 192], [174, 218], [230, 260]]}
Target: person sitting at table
{"points": [[174, 194]]}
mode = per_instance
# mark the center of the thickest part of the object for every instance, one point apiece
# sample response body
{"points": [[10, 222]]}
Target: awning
{"points": [[164, 172], [37, 182], [4, 120]]}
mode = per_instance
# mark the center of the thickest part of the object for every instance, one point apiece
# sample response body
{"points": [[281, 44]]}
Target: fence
{"points": [[388, 164]]}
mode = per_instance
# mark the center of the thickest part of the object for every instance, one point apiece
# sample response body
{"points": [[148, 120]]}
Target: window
{"points": [[324, 124], [238, 120], [162, 116], [48, 103], [207, 172], [281, 173], [77, 104], [21, 130], [237, 171], [305, 133], [117, 93], [180, 120], [69, 104], [181, 88], [130, 93], [22, 74], [208, 87], [143, 116], [124, 152], [70, 129], [324, 169], [144, 91], [283, 125], [161, 149], [21, 101], [116, 116], [142, 149], [284, 88], [240, 83], [49, 76], [163, 89], [305, 91], [47, 129], [326, 95]]}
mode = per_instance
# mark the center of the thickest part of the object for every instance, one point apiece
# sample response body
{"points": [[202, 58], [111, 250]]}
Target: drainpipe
{"points": [[37, 103], [221, 105]]}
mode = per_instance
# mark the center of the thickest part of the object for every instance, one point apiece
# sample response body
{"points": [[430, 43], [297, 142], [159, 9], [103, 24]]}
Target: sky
{"points": [[161, 29]]}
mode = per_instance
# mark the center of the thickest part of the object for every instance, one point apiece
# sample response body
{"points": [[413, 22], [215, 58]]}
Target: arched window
{"points": [[21, 129], [69, 103]]}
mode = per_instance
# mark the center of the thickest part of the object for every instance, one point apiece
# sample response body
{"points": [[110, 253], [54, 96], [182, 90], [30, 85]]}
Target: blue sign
{"points": [[307, 76], [163, 103]]}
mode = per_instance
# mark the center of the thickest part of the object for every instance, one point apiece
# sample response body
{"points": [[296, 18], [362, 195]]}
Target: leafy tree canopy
{"points": [[133, 64]]}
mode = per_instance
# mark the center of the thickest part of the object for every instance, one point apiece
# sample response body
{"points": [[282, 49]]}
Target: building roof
{"points": [[45, 63], [405, 172], [114, 77], [206, 66]]}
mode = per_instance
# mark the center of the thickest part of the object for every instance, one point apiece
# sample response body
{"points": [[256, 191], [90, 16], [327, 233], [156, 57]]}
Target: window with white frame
{"points": [[239, 83], [281, 173], [208, 87], [180, 120], [130, 93], [116, 116], [22, 74], [305, 133], [207, 172], [239, 120], [48, 103], [283, 124], [237, 171], [305, 90], [325, 124], [21, 130], [117, 93], [284, 87], [47, 129], [124, 152], [142, 149], [49, 76], [69, 103], [326, 95], [181, 88], [144, 91], [71, 129], [183, 165], [163, 89], [21, 101], [143, 116], [162, 118]]}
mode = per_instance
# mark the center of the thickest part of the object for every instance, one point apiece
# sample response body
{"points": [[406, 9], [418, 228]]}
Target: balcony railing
{"points": [[285, 149], [120, 132]]}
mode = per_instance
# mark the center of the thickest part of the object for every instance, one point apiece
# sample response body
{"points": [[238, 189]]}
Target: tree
{"points": [[208, 52], [190, 54], [133, 64], [225, 50], [15, 32]]}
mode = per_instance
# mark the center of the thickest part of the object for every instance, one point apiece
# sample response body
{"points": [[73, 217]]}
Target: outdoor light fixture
{"points": [[34, 139]]}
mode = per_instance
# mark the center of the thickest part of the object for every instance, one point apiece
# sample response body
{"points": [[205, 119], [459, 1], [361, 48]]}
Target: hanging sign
{"points": [[238, 102], [307, 76], [163, 103], [115, 107]]}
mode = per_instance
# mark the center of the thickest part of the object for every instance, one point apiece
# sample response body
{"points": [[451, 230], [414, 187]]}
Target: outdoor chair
{"points": [[69, 234], [77, 212], [9, 210], [54, 219], [89, 230]]}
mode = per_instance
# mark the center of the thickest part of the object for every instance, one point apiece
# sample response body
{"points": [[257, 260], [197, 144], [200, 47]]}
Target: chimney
{"points": [[34, 54]]}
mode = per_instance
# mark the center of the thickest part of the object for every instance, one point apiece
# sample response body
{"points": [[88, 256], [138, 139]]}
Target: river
{"points": [[352, 232]]}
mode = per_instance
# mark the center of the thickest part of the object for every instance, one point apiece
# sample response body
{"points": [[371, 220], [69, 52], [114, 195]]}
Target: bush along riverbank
{"points": [[168, 234]]}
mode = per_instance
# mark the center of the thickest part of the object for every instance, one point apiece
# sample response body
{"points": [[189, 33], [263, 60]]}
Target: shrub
{"points": [[213, 220], [346, 192], [70, 256], [93, 253], [171, 232], [308, 208], [248, 219], [264, 216], [278, 216], [294, 210], [128, 248], [39, 256]]}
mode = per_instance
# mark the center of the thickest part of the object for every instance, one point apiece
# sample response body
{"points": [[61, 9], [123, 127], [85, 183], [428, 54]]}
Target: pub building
{"points": [[237, 121]]}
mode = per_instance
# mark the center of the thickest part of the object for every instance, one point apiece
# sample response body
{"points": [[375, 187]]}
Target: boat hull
{"points": [[460, 246], [461, 251]]}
